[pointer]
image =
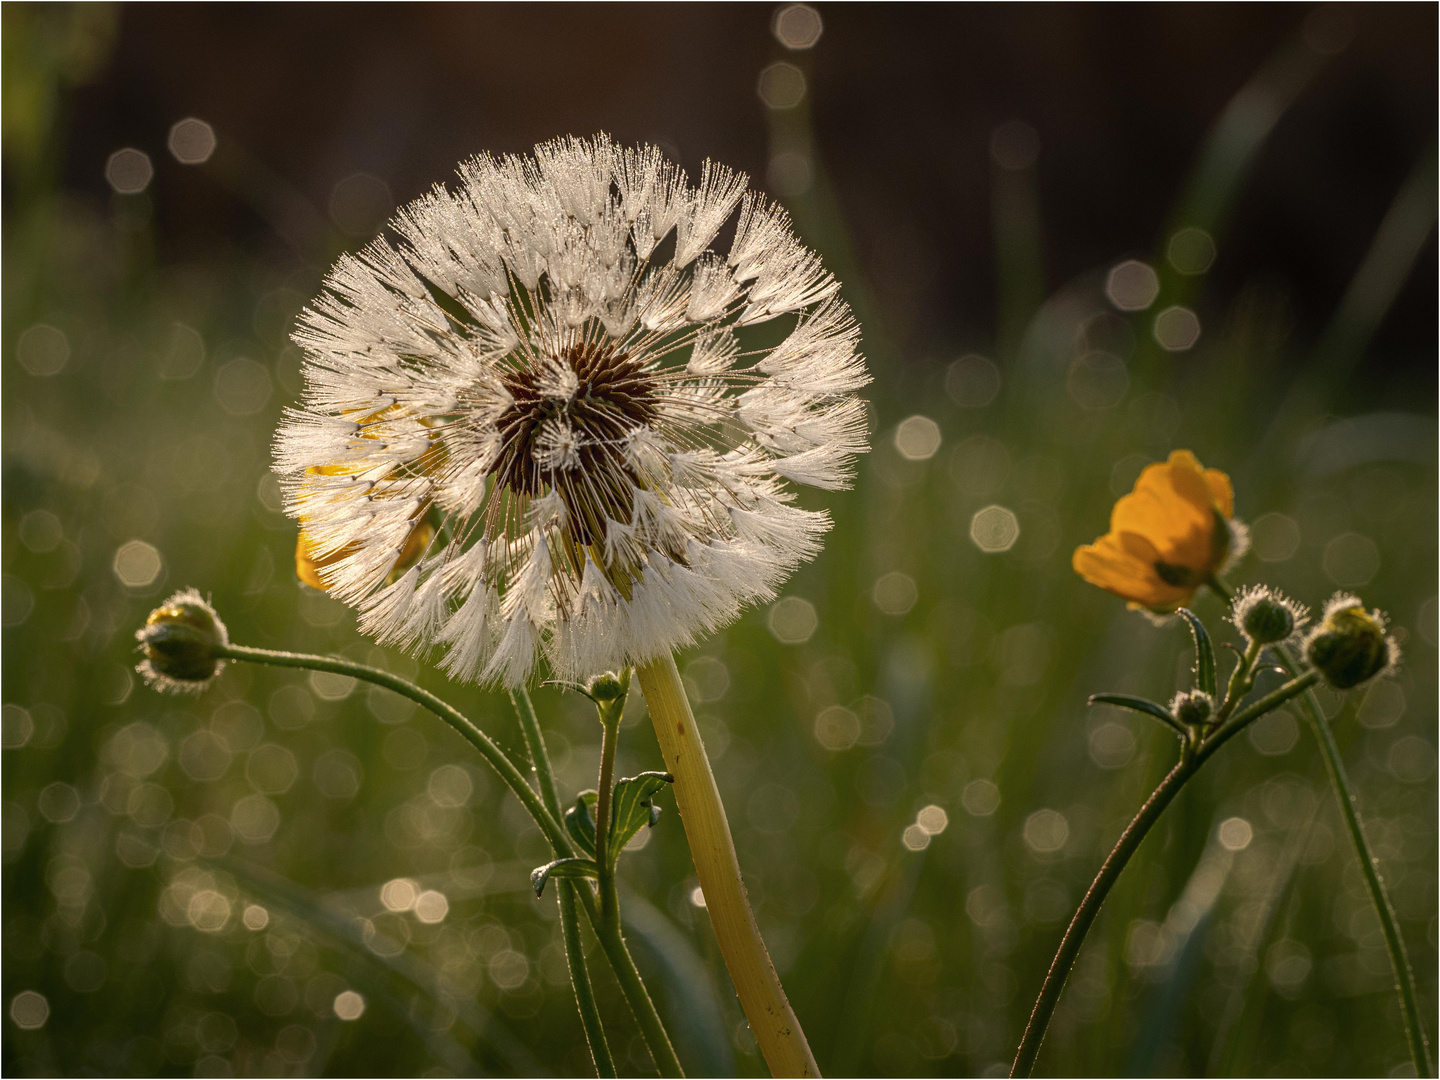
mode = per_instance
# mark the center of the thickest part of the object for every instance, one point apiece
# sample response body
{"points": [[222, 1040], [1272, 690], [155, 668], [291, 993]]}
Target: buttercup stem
{"points": [[580, 979], [1370, 870], [565, 894], [498, 759], [609, 901], [707, 830], [1369, 865], [1188, 765], [1240, 682], [539, 756]]}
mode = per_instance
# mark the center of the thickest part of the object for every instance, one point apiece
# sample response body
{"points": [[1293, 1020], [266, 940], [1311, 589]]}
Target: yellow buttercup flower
{"points": [[1168, 537]]}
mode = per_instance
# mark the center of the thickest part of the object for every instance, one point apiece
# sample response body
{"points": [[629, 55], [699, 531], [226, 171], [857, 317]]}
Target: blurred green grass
{"points": [[143, 836]]}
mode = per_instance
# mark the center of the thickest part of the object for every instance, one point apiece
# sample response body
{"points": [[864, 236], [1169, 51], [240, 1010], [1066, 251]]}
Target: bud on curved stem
{"points": [[1139, 827]]}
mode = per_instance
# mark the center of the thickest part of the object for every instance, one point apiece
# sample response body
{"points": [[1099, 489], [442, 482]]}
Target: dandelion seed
{"points": [[531, 427]]}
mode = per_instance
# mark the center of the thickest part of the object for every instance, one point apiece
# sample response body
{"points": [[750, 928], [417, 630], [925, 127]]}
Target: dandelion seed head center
{"points": [[546, 436]]}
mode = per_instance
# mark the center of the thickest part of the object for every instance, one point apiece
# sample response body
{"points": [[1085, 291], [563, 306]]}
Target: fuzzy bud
{"points": [[1266, 616], [1192, 708], [1350, 646], [607, 687], [180, 640]]}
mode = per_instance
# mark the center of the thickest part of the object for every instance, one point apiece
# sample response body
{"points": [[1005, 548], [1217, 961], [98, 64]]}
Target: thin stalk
{"points": [[609, 902], [539, 756], [707, 830], [1240, 682], [580, 979], [1370, 870], [613, 943], [565, 894], [1369, 864], [1188, 765], [498, 759]]}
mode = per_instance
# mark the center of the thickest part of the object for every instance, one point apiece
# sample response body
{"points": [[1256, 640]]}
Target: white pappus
{"points": [[533, 424]]}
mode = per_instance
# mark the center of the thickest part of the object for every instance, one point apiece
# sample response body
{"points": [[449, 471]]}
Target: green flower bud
{"points": [[1350, 645], [608, 687], [1192, 708], [1265, 615], [179, 640]]}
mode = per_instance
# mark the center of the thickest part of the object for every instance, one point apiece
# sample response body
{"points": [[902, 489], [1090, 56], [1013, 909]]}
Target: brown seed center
{"points": [[614, 395]]}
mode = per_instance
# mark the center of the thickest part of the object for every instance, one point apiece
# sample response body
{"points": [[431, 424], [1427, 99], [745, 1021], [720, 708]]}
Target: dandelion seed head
{"points": [[532, 426]]}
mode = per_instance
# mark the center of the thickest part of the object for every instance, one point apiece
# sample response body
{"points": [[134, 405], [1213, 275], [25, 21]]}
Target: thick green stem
{"points": [[565, 893], [1369, 865], [1188, 765], [498, 759]]}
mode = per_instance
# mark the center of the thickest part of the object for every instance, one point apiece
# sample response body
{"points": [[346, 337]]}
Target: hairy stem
{"points": [[707, 830], [1369, 865], [580, 979], [498, 759], [609, 902], [613, 943], [565, 894], [1370, 870], [1188, 765]]}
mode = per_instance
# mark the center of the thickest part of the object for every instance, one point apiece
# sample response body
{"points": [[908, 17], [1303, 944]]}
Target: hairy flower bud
{"points": [[608, 687], [1350, 646], [1265, 615], [179, 640], [1192, 708]]}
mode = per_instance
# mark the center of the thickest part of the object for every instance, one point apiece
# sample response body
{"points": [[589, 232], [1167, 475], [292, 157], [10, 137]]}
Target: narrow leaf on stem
{"points": [[1204, 652]]}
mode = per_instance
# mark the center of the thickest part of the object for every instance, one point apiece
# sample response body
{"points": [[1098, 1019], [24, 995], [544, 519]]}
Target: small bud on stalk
{"points": [[1192, 708], [1350, 646], [1266, 616], [180, 640]]}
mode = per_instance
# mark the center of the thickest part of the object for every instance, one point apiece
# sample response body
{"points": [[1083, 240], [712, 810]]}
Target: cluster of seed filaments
{"points": [[573, 442]]}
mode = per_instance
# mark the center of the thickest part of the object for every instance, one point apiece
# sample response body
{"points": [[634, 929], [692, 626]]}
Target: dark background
{"points": [[905, 98]]}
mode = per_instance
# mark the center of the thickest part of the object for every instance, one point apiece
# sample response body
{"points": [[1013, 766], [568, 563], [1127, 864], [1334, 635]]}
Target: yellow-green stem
{"points": [[707, 830]]}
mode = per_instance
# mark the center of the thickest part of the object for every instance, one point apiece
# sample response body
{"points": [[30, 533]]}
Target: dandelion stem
{"points": [[1369, 864], [1188, 765], [565, 894], [707, 830]]}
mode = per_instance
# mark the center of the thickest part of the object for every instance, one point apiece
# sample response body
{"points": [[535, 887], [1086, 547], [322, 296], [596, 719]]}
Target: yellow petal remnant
{"points": [[1167, 537]]}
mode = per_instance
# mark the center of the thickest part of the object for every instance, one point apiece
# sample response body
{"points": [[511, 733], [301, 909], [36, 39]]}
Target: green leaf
{"points": [[633, 808], [1204, 652], [580, 821], [562, 868], [1140, 705]]}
